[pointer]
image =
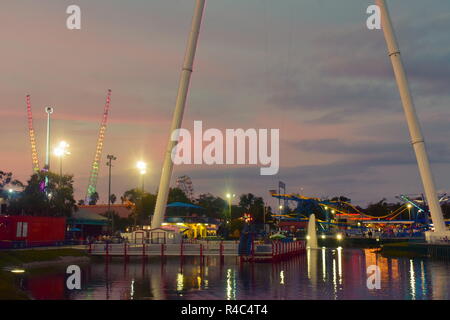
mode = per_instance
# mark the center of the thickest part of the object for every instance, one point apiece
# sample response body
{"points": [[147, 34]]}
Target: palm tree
{"points": [[94, 198]]}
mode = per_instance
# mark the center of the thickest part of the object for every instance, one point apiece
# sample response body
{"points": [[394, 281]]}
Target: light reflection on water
{"points": [[318, 274]]}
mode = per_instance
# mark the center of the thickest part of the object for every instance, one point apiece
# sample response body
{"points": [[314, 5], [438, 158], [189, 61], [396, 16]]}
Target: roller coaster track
{"points": [[337, 206]]}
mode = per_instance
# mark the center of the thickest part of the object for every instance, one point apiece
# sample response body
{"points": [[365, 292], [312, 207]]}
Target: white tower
{"points": [[417, 139]]}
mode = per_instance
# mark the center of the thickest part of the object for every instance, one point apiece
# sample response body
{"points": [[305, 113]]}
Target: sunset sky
{"points": [[310, 68]]}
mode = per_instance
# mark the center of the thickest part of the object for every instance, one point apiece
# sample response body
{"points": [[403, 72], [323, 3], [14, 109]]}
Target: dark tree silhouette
{"points": [[113, 198], [94, 199], [56, 199]]}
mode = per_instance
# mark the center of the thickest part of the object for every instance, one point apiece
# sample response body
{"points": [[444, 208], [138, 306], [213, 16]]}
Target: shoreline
{"points": [[33, 259]]}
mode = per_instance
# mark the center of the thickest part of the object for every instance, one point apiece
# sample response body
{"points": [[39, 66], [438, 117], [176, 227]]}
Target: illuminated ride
{"points": [[418, 208], [332, 213], [34, 154], [98, 151], [329, 213], [92, 186]]}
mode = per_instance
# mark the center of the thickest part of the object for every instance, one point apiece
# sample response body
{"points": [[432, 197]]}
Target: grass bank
{"points": [[19, 258]]}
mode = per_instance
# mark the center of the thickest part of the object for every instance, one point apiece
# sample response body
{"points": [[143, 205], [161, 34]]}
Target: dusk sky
{"points": [[308, 67]]}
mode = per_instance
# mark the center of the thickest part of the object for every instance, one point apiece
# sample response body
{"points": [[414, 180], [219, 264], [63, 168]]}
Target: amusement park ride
{"points": [[329, 209], [91, 189], [440, 232], [341, 213]]}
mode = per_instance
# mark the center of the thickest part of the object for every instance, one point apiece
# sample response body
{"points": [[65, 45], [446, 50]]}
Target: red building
{"points": [[29, 231]]}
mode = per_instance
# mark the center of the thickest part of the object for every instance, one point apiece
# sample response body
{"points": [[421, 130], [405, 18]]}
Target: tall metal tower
{"points": [[49, 111], [34, 155], [92, 187]]}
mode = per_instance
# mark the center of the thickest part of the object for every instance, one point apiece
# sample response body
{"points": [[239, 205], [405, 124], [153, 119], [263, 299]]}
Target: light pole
{"points": [[229, 197], [49, 111], [142, 167], [409, 210], [110, 158], [264, 216], [60, 151]]}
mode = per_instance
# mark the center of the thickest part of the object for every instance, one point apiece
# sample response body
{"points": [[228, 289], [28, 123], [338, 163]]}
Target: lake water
{"points": [[317, 274]]}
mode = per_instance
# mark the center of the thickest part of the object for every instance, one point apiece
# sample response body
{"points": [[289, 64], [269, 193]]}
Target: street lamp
{"points": [[333, 214], [49, 111], [60, 151], [229, 197], [142, 167], [409, 205]]}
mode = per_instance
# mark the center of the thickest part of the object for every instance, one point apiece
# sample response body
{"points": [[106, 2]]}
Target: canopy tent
{"points": [[85, 217], [182, 211], [183, 205]]}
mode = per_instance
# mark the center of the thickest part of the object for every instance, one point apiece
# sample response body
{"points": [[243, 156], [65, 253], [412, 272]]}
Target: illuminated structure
{"points": [[338, 213], [34, 155], [193, 227], [92, 187]]}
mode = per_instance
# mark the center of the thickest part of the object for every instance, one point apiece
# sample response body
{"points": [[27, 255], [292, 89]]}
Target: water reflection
{"points": [[180, 282], [412, 280], [231, 285], [339, 254], [319, 274], [281, 277], [324, 264], [132, 290]]}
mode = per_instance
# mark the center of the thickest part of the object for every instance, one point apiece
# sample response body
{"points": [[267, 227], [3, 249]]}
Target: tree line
{"points": [[50, 194]]}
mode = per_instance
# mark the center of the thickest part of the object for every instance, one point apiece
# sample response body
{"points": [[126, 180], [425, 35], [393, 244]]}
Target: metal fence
{"points": [[207, 248]]}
